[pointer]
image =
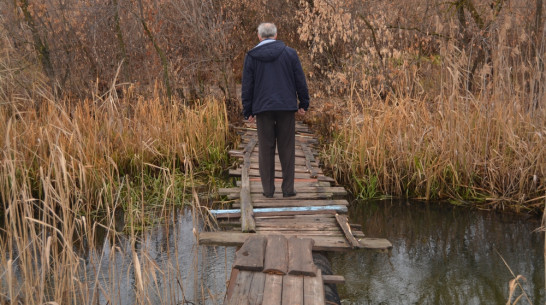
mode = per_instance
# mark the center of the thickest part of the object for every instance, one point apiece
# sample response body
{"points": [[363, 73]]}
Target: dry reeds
{"points": [[431, 138], [64, 163]]}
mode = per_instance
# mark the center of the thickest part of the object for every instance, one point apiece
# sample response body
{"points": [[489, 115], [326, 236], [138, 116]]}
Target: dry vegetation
{"points": [[118, 105]]}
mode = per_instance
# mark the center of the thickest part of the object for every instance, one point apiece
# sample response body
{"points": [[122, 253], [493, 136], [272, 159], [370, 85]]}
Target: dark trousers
{"points": [[277, 128]]}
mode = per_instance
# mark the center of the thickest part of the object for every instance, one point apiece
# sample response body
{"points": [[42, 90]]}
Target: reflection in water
{"points": [[175, 270], [441, 255]]}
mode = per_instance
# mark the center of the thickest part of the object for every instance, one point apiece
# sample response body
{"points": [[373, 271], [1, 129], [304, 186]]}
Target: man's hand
{"points": [[251, 119], [301, 111]]}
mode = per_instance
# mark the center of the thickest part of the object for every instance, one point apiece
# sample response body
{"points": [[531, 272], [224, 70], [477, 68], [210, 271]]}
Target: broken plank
{"points": [[343, 223], [251, 255], [375, 243]]}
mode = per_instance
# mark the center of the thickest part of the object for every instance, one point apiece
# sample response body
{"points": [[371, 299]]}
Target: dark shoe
{"points": [[267, 196], [289, 194]]}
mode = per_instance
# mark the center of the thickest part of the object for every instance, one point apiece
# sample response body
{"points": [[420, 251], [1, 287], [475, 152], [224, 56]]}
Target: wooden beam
{"points": [[247, 214]]}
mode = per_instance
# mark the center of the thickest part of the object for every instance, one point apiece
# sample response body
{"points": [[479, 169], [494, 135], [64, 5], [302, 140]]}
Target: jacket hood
{"points": [[268, 52]]}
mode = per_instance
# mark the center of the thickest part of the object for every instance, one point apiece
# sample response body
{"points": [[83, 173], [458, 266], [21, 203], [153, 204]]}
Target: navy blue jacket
{"points": [[273, 80]]}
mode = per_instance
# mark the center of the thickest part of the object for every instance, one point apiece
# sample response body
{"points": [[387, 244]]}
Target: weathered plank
{"points": [[343, 223], [266, 203], [297, 183], [292, 290], [232, 213], [335, 190], [299, 196], [256, 295], [276, 256], [231, 285], [300, 256], [273, 289], [223, 238], [251, 255], [313, 290], [308, 159], [242, 289]]}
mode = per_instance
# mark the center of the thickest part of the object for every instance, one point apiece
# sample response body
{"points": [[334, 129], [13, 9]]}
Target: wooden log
{"points": [[247, 214], [300, 257], [333, 279], [276, 255], [313, 289], [273, 289], [251, 255], [343, 223], [292, 289]]}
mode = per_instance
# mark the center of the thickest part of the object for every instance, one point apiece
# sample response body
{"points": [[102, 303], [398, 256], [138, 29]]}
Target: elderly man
{"points": [[273, 82]]}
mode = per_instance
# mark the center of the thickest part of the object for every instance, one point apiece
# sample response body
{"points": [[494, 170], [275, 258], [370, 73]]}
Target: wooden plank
{"points": [[333, 279], [300, 256], [296, 183], [225, 238], [231, 284], [343, 223], [292, 290], [247, 214], [242, 289], [276, 255], [313, 290], [336, 190], [232, 213], [277, 196], [278, 174], [308, 159], [273, 289], [259, 203], [256, 294], [251, 255]]}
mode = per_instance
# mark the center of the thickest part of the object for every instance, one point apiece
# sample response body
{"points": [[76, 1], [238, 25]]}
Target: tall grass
{"points": [[68, 165], [432, 139]]}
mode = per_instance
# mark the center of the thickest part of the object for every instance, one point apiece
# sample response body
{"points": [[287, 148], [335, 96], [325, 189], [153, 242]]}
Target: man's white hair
{"points": [[267, 30]]}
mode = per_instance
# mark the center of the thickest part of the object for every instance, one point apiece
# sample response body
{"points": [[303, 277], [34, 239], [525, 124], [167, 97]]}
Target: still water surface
{"points": [[441, 255]]}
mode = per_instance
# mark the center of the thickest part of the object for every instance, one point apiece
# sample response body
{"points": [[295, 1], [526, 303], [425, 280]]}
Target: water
{"points": [[175, 270], [441, 255]]}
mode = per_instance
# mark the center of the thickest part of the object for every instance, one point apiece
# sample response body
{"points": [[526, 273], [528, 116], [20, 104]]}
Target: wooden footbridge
{"points": [[277, 236]]}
